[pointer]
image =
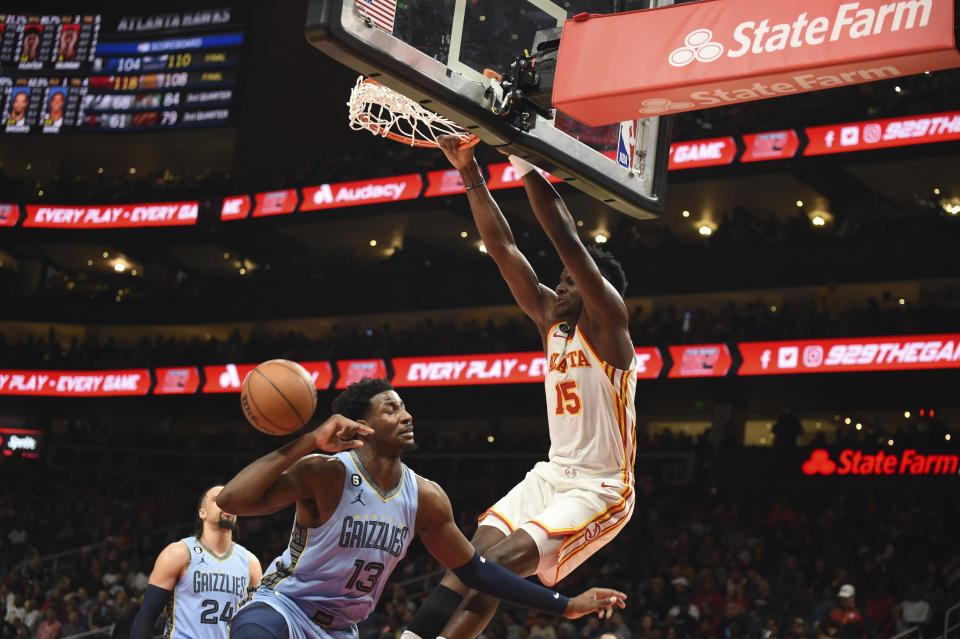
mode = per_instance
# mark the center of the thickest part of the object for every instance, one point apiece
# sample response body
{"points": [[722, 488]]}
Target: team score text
{"points": [[168, 118], [126, 83], [179, 60], [367, 581], [568, 401], [210, 609]]}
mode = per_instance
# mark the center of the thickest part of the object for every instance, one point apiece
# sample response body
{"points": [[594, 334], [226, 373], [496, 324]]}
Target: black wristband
{"points": [[482, 182]]}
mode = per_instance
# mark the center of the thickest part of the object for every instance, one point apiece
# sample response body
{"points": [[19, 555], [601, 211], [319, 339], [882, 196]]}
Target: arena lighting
{"points": [[491, 440], [580, 223], [226, 256], [799, 203], [600, 238], [898, 89], [705, 230], [847, 420], [906, 414], [859, 426], [100, 171], [373, 242], [40, 193], [133, 272], [901, 301], [242, 271], [105, 254], [482, 248], [133, 170], [889, 442], [89, 262], [818, 220], [463, 234], [685, 213], [119, 267], [936, 191], [773, 308], [947, 437]]}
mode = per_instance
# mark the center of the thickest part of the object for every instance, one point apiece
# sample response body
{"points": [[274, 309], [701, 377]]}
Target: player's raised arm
{"points": [[446, 543], [171, 563], [283, 477], [536, 300], [603, 303]]}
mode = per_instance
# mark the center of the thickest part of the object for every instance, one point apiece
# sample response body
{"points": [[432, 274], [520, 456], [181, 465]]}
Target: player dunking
{"points": [[569, 507], [357, 512], [207, 576]]}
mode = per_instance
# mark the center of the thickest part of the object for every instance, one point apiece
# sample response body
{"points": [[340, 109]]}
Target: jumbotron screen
{"points": [[89, 72]]}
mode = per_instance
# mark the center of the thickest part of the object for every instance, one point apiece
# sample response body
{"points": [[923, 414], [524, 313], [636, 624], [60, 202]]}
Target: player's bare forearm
{"points": [[243, 495], [550, 211]]}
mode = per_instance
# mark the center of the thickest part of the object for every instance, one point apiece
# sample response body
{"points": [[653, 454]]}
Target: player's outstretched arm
{"points": [[535, 300], [602, 301], [446, 543], [170, 565], [283, 477]]}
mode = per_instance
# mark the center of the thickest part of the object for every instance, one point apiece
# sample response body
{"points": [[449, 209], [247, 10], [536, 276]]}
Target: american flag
{"points": [[381, 12]]}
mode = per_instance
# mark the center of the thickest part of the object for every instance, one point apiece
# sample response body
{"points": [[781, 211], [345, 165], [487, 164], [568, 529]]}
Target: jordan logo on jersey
{"points": [[573, 359], [373, 533]]}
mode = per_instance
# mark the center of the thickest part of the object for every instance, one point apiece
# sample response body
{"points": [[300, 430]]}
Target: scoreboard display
{"points": [[64, 73]]}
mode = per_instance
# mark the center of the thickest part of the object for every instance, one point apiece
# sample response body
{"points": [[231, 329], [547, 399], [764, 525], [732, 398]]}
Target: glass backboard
{"points": [[436, 51]]}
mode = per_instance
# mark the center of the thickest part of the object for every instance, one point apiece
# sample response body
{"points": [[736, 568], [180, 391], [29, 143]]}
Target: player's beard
{"points": [[227, 524]]}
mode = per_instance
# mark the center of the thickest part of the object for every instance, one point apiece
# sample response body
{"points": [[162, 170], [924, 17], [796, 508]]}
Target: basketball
{"points": [[278, 397]]}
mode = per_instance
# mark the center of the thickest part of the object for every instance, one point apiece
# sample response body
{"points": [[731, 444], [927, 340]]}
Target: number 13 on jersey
{"points": [[568, 401]]}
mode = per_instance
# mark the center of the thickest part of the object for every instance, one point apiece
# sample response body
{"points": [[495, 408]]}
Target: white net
{"points": [[389, 114]]}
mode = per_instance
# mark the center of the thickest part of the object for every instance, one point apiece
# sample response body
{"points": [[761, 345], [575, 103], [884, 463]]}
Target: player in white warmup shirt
{"points": [[203, 578], [566, 508]]}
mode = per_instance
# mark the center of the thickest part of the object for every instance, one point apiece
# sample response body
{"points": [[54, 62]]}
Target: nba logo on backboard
{"points": [[625, 144], [175, 381]]}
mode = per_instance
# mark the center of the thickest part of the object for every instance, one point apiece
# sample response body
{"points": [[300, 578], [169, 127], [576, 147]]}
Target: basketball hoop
{"points": [[389, 114]]}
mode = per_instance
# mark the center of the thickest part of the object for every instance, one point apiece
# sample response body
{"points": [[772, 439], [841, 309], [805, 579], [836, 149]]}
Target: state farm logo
{"points": [[699, 46], [819, 463], [856, 462], [654, 106]]}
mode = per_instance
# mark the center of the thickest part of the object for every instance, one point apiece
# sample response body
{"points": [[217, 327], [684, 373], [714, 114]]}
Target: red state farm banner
{"points": [[858, 462], [700, 360], [443, 183], [467, 370], [771, 145], [228, 378], [180, 380], [75, 383], [504, 176], [649, 362], [353, 370], [910, 352], [719, 52], [9, 214], [375, 191], [235, 207], [112, 216], [880, 134], [697, 153], [275, 202]]}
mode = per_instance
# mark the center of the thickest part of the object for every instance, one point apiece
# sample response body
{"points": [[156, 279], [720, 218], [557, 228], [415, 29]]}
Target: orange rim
{"points": [[409, 141]]}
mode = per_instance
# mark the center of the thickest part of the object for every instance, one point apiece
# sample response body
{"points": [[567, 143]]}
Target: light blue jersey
{"points": [[330, 577], [207, 595]]}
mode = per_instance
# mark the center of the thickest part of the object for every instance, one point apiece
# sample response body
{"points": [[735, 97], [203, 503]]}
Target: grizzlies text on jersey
{"points": [[331, 576], [207, 595]]}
